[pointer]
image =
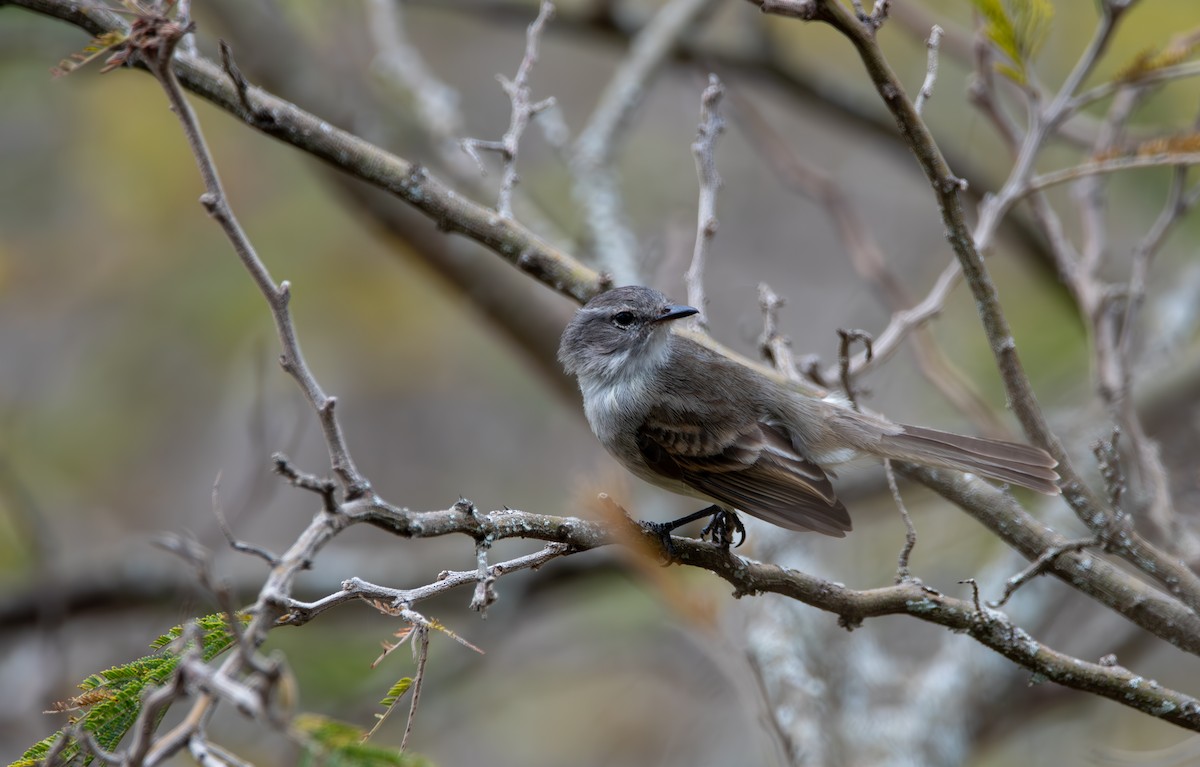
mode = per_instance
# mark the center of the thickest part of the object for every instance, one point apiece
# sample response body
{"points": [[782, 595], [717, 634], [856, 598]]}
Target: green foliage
{"points": [[1017, 28], [397, 692], [112, 699], [330, 743]]}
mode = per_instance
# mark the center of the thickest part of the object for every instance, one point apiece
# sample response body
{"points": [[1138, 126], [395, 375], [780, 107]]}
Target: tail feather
{"points": [[1018, 464]]}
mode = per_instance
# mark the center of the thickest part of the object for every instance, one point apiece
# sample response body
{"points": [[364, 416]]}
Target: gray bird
{"points": [[689, 420]]}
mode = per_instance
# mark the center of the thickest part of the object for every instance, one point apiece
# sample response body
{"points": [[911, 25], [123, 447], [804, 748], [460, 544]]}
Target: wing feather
{"points": [[754, 468]]}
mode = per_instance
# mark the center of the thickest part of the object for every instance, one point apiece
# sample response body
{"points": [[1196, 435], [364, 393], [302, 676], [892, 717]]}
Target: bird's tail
{"points": [[1018, 464]]}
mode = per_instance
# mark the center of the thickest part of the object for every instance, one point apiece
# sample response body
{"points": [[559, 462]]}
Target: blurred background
{"points": [[138, 368]]}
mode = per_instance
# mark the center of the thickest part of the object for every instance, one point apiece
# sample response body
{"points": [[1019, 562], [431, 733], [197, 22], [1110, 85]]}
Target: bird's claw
{"points": [[721, 525]]}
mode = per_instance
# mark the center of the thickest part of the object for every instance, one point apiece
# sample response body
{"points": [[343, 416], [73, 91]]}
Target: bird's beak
{"points": [[675, 313]]}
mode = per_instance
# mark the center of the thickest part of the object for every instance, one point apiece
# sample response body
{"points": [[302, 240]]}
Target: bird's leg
{"points": [[723, 523], [664, 529], [719, 526]]}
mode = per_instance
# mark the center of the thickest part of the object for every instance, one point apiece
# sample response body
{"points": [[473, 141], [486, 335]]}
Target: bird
{"points": [[692, 421]]}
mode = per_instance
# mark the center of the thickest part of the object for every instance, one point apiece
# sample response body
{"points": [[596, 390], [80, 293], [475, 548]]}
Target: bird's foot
{"points": [[721, 525]]}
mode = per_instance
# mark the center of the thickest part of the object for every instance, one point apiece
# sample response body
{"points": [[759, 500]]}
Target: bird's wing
{"points": [[753, 468]]}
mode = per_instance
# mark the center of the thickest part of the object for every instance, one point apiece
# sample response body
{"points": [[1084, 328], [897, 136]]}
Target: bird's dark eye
{"points": [[623, 319]]}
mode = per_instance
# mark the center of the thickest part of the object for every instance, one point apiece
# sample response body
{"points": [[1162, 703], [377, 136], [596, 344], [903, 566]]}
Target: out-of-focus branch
{"points": [[594, 183], [1156, 564], [1111, 165], [523, 110], [400, 64], [908, 321], [931, 68], [405, 179], [1080, 269], [712, 125]]}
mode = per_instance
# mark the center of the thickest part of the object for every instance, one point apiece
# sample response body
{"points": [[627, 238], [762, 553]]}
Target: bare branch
{"points": [[278, 296], [712, 124], [523, 110], [931, 67], [1113, 165], [356, 588], [437, 104], [749, 577], [848, 337], [594, 182], [910, 531], [485, 592], [1156, 564], [775, 347], [908, 322], [1039, 566]]}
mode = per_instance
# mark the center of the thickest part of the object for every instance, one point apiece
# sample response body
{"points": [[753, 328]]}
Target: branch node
{"points": [[1040, 565], [485, 591], [775, 347], [468, 507], [322, 486], [974, 594], [257, 116], [848, 337]]}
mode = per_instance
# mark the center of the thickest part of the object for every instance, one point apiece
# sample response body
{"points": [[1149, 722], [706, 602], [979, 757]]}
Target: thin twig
{"points": [[775, 347], [356, 588], [234, 543], [712, 124], [848, 337], [278, 296], [1040, 566], [421, 653], [1112, 165], [594, 181], [931, 68], [910, 531], [523, 110], [485, 591]]}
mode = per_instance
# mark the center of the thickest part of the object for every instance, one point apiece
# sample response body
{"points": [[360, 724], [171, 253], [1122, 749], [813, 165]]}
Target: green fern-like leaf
{"points": [[109, 716], [330, 743], [397, 692], [1017, 28]]}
